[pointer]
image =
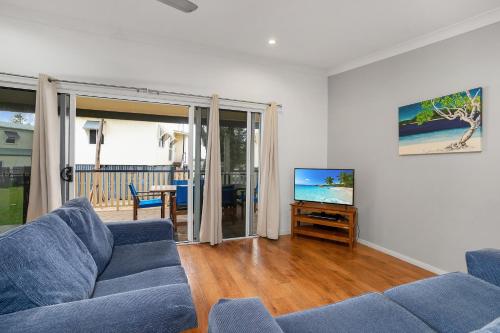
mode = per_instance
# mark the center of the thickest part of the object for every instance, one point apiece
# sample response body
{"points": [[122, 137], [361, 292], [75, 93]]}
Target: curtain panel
{"points": [[269, 197], [45, 184], [211, 216]]}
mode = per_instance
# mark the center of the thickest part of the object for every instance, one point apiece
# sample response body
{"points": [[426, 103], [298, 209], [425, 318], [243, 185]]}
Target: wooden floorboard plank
{"points": [[289, 274]]}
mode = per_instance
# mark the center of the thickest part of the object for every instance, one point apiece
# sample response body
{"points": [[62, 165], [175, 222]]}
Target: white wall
{"points": [[431, 208], [30, 48], [121, 147]]}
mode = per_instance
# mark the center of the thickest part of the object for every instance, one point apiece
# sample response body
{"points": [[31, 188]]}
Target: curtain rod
{"points": [[145, 90]]}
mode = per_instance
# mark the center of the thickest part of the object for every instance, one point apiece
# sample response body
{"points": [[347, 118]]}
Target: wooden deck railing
{"points": [[109, 188]]}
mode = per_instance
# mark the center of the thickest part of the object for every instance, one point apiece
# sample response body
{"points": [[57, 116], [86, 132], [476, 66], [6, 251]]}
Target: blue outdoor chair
{"points": [[146, 203], [180, 202], [181, 193], [229, 200], [228, 196], [243, 197]]}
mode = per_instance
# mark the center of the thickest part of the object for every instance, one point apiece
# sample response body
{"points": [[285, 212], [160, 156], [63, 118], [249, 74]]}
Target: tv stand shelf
{"points": [[326, 221]]}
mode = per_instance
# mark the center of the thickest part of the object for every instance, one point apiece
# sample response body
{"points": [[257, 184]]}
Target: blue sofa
{"points": [[69, 272], [453, 302]]}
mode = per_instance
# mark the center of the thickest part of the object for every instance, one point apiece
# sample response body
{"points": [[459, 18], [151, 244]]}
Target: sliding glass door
{"points": [[239, 145], [152, 145], [155, 143]]}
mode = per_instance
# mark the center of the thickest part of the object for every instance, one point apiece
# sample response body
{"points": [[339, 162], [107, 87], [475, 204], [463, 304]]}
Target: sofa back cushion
{"points": [[484, 264], [493, 327], [452, 302], [247, 315], [88, 226], [43, 263]]}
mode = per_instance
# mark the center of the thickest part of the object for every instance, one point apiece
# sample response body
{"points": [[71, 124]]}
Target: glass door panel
{"points": [[254, 162], [17, 120], [200, 129], [240, 134], [233, 143]]}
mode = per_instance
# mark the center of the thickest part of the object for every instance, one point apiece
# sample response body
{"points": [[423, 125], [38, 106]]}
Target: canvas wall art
{"points": [[448, 124]]}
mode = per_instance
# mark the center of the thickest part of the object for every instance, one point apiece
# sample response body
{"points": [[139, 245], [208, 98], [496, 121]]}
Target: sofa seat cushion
{"points": [[454, 302], [88, 226], [43, 263], [368, 313], [140, 257], [148, 279], [165, 309]]}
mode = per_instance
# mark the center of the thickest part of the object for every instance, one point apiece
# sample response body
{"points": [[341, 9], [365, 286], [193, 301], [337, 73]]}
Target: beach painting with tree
{"points": [[448, 124]]}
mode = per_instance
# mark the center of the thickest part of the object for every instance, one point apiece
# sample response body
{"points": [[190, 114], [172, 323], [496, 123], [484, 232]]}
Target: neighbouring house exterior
{"points": [[129, 142], [16, 142]]}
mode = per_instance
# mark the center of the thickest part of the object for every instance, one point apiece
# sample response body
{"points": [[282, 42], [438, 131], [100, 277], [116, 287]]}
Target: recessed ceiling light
{"points": [[271, 41]]}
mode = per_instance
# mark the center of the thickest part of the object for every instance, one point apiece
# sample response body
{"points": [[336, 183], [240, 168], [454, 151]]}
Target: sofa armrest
{"points": [[247, 315], [484, 264], [131, 232], [160, 309]]}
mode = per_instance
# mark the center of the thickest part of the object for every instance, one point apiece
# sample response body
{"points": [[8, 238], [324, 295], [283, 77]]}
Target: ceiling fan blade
{"points": [[183, 5]]}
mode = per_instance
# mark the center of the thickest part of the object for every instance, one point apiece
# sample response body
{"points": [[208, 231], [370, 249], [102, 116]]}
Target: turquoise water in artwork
{"points": [[326, 194], [438, 136]]}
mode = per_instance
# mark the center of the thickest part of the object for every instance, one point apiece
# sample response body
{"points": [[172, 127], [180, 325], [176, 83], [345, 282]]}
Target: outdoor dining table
{"points": [[163, 190]]}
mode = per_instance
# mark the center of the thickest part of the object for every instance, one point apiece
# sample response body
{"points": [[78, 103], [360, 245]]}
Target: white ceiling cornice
{"points": [[453, 30]]}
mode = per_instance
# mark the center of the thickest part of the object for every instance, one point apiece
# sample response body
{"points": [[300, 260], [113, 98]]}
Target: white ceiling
{"points": [[325, 34]]}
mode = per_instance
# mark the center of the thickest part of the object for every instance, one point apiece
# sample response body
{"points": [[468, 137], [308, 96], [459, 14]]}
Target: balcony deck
{"points": [[233, 222], [113, 200], [125, 214]]}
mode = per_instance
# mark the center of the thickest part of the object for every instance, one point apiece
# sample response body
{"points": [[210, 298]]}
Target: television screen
{"points": [[325, 185]]}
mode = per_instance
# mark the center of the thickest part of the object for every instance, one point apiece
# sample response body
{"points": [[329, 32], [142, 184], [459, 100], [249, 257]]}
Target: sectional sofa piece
{"points": [[69, 272]]}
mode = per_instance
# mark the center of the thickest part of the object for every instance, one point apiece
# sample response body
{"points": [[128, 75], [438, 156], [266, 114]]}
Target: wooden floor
{"points": [[288, 274]]}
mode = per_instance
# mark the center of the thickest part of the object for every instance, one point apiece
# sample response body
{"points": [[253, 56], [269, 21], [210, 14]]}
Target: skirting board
{"points": [[403, 257]]}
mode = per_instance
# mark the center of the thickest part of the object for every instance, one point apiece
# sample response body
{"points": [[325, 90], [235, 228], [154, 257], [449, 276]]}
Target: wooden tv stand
{"points": [[327, 221]]}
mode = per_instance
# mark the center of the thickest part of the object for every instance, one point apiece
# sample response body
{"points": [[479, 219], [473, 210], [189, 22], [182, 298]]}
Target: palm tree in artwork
{"points": [[329, 180]]}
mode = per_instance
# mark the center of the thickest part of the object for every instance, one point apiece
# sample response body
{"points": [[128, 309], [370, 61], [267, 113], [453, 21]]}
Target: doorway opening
{"points": [[142, 148]]}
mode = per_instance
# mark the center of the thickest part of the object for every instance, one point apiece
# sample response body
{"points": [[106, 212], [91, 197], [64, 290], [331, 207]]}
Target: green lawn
{"points": [[11, 205]]}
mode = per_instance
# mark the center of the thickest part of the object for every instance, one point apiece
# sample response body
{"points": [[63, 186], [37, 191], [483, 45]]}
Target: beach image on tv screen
{"points": [[328, 186]]}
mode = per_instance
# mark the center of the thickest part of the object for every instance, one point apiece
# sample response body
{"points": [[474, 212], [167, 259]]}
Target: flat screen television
{"points": [[334, 186]]}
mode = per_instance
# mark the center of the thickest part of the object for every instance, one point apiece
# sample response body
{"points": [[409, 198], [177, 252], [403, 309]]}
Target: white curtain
{"points": [[211, 216], [45, 184], [268, 221]]}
